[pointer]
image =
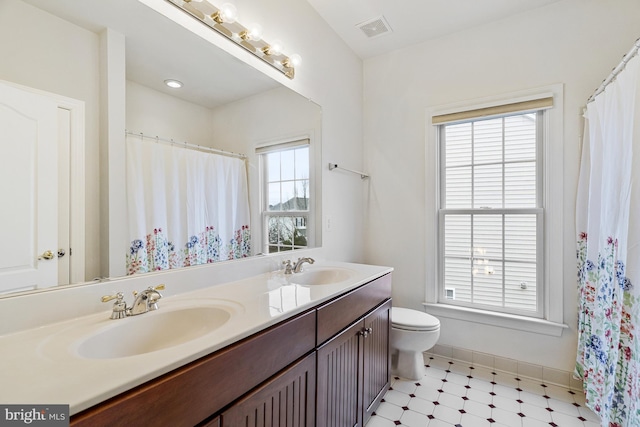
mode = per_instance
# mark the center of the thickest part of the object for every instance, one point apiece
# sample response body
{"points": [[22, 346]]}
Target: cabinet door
{"points": [[287, 400], [376, 358], [340, 379], [212, 423]]}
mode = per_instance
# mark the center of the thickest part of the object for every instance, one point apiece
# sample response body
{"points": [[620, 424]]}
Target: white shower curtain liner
{"points": [[608, 226], [185, 207]]}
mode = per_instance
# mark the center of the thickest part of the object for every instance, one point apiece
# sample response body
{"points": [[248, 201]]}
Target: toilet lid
{"points": [[413, 320]]}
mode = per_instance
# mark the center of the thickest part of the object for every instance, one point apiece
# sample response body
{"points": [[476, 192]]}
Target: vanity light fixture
{"points": [[172, 83], [223, 20]]}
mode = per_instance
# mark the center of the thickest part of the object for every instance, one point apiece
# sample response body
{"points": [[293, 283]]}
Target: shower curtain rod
{"points": [[616, 70], [188, 145]]}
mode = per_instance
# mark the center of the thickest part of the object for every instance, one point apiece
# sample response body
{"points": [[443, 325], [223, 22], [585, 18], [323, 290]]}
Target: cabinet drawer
{"points": [[190, 394], [342, 311]]}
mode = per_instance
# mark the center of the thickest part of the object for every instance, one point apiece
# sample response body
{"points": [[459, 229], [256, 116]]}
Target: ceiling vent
{"points": [[375, 27]]}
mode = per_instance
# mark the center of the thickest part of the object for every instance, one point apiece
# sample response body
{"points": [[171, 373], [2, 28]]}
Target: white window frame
{"points": [[264, 149], [550, 320], [538, 211]]}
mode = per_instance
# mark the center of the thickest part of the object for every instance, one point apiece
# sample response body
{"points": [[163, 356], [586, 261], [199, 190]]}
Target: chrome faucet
{"points": [[297, 267], [144, 301]]}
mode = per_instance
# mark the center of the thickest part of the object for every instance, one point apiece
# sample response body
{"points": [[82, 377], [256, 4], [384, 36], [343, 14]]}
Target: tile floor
{"points": [[455, 394]]}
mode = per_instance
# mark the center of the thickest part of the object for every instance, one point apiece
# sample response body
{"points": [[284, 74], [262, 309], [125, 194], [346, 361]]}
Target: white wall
{"points": [[157, 114], [575, 42], [37, 49]]}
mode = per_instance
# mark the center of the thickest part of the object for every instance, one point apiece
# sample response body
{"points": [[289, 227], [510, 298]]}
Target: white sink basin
{"points": [[321, 276], [152, 331]]}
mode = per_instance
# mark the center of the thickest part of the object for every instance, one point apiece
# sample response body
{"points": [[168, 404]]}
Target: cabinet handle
{"points": [[365, 332]]}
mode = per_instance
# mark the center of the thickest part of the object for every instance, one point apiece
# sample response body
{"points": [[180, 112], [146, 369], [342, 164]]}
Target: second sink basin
{"points": [[152, 331], [321, 276]]}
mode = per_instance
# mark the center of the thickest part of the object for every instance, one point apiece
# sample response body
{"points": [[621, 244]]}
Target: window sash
{"points": [[266, 216], [538, 156], [495, 261]]}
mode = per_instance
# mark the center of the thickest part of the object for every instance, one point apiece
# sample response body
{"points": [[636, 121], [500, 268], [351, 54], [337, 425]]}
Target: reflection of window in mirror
{"points": [[286, 202]]}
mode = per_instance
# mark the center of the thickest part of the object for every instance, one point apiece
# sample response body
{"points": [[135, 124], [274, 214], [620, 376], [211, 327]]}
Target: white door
{"points": [[28, 190]]}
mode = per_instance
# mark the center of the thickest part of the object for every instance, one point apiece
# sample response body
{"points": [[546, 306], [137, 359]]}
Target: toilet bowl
{"points": [[412, 333]]}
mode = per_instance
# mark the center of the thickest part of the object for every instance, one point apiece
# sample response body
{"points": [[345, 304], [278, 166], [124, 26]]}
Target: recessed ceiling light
{"points": [[173, 83]]}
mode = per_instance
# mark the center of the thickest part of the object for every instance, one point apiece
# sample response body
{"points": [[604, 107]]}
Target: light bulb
{"points": [[172, 83], [293, 61], [228, 13], [255, 32], [276, 48]]}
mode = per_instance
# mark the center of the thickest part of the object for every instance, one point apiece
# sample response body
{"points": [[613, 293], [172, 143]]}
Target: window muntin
{"points": [[490, 214], [287, 197]]}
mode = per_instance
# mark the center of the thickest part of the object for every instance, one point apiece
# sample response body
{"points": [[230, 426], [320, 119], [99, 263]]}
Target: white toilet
{"points": [[412, 333]]}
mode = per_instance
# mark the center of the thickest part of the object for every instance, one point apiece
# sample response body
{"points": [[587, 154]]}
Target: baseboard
{"points": [[516, 367]]}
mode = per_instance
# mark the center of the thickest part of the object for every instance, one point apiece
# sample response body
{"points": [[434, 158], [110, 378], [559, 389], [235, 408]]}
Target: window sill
{"points": [[504, 320]]}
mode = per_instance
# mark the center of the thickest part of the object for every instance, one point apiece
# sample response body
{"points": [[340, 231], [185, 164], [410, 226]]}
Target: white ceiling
{"points": [[413, 21]]}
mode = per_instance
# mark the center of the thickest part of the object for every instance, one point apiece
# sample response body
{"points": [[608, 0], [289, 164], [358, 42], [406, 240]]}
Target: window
{"points": [[286, 196], [491, 213]]}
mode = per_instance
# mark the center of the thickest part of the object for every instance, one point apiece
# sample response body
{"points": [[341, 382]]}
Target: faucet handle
{"points": [[160, 287], [288, 267], [119, 307], [154, 296], [108, 298]]}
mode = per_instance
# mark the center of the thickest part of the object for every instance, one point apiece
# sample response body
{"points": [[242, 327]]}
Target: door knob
{"points": [[61, 253], [46, 255]]}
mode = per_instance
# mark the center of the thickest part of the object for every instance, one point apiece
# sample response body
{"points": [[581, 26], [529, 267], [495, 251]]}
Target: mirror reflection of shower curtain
{"points": [[185, 207]]}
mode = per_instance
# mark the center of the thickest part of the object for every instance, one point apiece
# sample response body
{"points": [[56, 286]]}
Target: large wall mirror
{"points": [[58, 47]]}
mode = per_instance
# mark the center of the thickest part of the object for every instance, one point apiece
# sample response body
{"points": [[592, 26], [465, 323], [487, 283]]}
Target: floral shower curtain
{"points": [[608, 226], [186, 207]]}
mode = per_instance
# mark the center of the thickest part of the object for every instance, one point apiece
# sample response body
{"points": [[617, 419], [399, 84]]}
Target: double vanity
{"points": [[300, 349]]}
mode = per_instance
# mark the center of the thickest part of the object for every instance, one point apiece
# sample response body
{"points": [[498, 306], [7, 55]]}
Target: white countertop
{"points": [[42, 365]]}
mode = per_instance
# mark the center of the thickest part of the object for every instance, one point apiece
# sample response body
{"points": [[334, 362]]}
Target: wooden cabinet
{"points": [[287, 400], [353, 371], [346, 309], [327, 367], [376, 358]]}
